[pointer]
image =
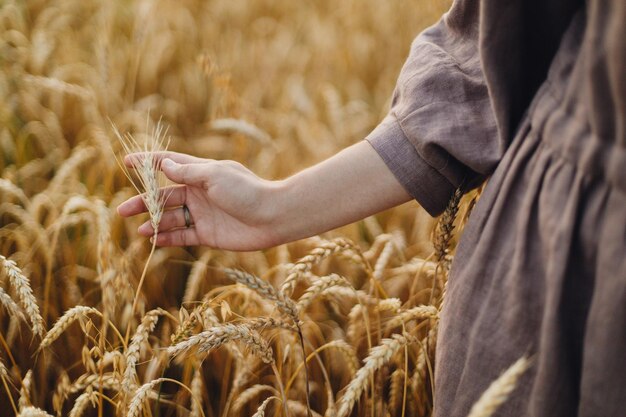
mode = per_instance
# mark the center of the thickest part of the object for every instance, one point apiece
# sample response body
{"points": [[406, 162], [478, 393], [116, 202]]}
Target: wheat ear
{"points": [[500, 389], [148, 323], [379, 356], [10, 305], [260, 412], [305, 264], [21, 285], [31, 411], [149, 183], [69, 317], [219, 335], [319, 286]]}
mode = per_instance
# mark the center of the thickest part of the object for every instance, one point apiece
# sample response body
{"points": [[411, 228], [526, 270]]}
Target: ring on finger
{"points": [[187, 216]]}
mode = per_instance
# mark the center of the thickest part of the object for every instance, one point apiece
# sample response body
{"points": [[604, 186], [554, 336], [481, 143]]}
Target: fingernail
{"points": [[168, 163]]}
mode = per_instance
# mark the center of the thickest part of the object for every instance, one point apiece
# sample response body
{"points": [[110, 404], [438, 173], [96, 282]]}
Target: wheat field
{"points": [[336, 325]]}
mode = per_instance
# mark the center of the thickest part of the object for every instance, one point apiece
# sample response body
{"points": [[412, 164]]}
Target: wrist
{"points": [[274, 210]]}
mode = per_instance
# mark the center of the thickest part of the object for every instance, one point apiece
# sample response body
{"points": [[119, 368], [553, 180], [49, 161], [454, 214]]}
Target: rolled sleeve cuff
{"points": [[424, 183]]}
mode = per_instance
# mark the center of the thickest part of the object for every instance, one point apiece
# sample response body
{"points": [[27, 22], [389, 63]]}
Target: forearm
{"points": [[347, 187]]}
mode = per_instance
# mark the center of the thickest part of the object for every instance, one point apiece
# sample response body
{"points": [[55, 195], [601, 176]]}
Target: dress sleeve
{"points": [[441, 132]]}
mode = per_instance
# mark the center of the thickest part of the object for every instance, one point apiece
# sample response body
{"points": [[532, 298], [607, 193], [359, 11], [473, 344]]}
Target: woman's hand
{"points": [[229, 206]]}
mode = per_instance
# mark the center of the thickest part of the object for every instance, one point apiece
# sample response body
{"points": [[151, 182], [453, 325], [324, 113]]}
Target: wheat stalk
{"points": [[260, 412], [500, 389], [415, 313], [10, 305], [31, 411], [265, 289], [197, 387], [249, 393], [69, 317], [21, 285], [219, 335], [131, 355], [319, 286], [379, 356], [149, 182], [305, 264], [82, 401]]}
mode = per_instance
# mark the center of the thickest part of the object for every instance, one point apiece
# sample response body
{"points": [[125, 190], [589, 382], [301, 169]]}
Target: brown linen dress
{"points": [[532, 93]]}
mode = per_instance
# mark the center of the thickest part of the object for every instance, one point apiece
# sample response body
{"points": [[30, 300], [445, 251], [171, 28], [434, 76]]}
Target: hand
{"points": [[230, 207]]}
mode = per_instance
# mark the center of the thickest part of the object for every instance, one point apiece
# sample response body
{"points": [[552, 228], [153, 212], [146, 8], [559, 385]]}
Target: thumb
{"points": [[189, 174]]}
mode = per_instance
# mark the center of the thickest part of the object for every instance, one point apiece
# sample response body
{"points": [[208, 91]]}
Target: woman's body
{"points": [[540, 269]]}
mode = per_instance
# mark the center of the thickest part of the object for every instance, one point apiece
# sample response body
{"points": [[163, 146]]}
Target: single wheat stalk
{"points": [[149, 182], [415, 313], [305, 264], [389, 304], [27, 382], [500, 389], [319, 286], [144, 392], [379, 356], [10, 305], [197, 387], [383, 260], [82, 401], [8, 188], [249, 393], [219, 335], [260, 412], [265, 289], [263, 323], [21, 285], [396, 390], [148, 323], [197, 274], [31, 411], [69, 317]]}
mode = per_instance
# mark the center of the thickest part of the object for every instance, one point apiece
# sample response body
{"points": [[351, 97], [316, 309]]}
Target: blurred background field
{"points": [[276, 85]]}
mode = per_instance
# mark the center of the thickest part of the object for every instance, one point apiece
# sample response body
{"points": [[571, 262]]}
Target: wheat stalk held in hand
{"points": [[149, 182]]}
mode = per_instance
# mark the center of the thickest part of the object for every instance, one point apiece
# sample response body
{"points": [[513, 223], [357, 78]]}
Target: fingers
{"points": [[135, 158], [176, 196], [190, 174], [178, 237], [169, 220]]}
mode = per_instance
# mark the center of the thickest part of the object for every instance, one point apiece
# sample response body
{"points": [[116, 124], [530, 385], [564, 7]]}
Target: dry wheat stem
{"points": [[21, 285], [500, 389]]}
